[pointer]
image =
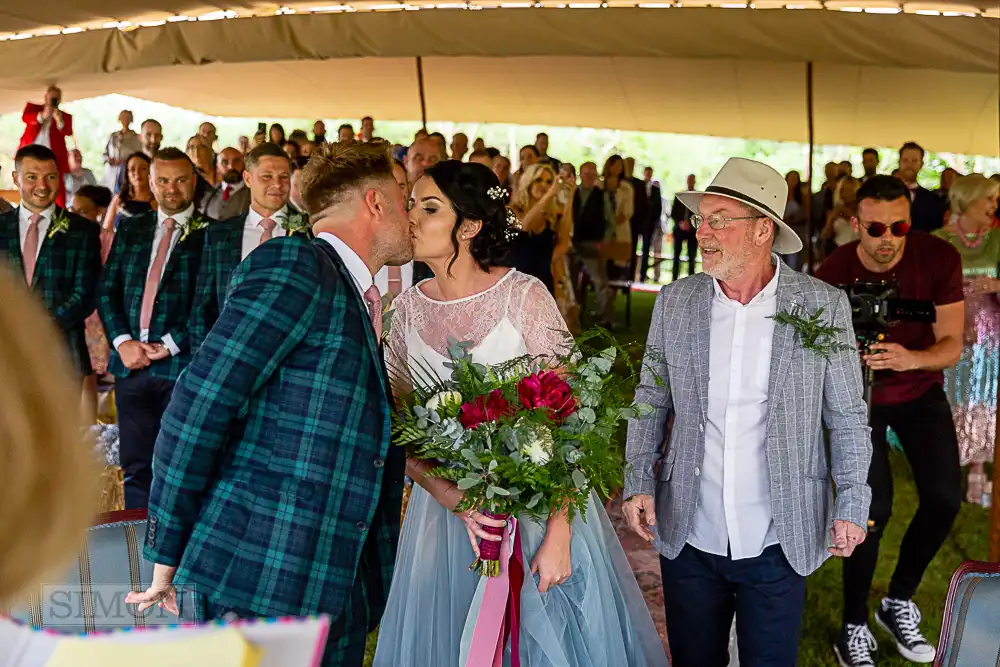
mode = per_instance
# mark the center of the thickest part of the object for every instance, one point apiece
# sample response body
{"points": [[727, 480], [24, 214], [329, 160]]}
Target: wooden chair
{"points": [[970, 630]]}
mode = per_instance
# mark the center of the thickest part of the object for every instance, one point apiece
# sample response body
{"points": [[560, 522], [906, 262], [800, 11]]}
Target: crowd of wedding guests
{"points": [[135, 269]]}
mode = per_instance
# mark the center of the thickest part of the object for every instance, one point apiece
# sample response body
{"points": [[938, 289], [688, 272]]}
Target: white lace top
{"points": [[514, 317]]}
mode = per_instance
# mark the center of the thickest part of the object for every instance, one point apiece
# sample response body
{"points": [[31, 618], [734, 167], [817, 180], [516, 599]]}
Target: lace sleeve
{"points": [[540, 323], [395, 346]]}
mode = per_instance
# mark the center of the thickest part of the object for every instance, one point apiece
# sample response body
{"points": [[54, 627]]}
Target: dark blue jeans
{"points": [[702, 592]]}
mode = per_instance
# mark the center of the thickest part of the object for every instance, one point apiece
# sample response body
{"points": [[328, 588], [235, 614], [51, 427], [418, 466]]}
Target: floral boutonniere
{"points": [[195, 223], [296, 223], [812, 332], [59, 224], [387, 312]]}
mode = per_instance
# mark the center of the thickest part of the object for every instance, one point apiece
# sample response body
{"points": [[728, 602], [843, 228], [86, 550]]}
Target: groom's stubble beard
{"points": [[394, 247]]}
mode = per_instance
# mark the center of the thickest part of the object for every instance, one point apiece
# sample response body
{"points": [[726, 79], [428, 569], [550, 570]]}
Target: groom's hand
{"points": [[846, 537], [640, 511]]}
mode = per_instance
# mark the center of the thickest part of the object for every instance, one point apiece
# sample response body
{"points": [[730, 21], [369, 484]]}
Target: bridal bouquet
{"points": [[526, 438]]}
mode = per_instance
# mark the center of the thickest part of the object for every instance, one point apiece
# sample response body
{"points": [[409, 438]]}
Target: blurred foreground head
{"points": [[48, 473]]}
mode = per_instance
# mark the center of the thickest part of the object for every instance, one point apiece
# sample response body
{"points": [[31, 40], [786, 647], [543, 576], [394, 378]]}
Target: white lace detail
{"points": [[860, 644], [517, 315]]}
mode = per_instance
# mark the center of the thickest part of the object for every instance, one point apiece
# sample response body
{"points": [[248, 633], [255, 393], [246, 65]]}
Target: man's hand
{"points": [[891, 357], [640, 511], [133, 355], [156, 351], [846, 537], [161, 592]]}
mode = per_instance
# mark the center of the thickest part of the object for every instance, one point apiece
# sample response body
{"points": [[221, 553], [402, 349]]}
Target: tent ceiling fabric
{"points": [[879, 79]]}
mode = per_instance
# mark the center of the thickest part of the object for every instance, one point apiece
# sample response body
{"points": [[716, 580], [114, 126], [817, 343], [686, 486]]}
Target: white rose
{"points": [[443, 398], [537, 453]]}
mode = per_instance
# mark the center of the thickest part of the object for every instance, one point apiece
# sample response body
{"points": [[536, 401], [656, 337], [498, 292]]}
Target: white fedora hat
{"points": [[758, 186]]}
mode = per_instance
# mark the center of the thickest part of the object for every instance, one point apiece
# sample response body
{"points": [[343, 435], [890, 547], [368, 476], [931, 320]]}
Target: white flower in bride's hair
{"points": [[444, 398], [496, 192]]}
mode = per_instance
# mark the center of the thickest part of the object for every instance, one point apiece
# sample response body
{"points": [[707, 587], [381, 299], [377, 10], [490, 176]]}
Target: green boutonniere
{"points": [[195, 223], [59, 224], [814, 334], [296, 223], [387, 312]]}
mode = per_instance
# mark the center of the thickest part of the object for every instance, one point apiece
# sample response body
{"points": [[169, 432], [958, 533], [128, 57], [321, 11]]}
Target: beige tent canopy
{"points": [[882, 74]]}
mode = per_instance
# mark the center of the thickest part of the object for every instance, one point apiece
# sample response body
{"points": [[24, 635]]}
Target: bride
{"points": [[581, 606]]}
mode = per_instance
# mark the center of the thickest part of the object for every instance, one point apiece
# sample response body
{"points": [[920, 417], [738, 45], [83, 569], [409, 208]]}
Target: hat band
{"points": [[719, 190]]}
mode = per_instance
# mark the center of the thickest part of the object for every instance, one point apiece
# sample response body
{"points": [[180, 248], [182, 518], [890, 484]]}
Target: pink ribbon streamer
{"points": [[499, 613]]}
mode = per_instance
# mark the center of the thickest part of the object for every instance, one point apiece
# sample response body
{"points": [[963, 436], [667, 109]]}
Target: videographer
{"points": [[908, 396]]}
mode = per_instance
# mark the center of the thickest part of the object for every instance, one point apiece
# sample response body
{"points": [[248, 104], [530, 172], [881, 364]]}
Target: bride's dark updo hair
{"points": [[475, 194]]}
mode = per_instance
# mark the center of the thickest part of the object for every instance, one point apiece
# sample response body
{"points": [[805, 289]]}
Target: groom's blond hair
{"points": [[337, 172], [49, 492]]}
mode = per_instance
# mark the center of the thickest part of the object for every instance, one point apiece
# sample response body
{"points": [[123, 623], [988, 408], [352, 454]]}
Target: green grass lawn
{"points": [[824, 601]]}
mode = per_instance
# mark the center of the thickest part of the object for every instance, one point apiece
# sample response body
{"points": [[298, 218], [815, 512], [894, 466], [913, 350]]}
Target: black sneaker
{"points": [[900, 618], [854, 646]]}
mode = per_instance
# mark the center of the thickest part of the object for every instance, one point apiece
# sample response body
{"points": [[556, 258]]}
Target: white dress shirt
{"points": [[382, 278], [734, 502], [180, 219], [252, 229], [24, 219], [355, 265]]}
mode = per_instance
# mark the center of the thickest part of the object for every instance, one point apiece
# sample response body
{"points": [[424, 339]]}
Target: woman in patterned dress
{"points": [[972, 383]]}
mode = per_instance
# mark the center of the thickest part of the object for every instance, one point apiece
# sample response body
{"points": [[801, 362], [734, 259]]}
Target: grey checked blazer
{"points": [[805, 392]]}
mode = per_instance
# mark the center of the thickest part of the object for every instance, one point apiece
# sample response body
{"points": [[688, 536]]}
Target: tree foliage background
{"points": [[672, 156]]}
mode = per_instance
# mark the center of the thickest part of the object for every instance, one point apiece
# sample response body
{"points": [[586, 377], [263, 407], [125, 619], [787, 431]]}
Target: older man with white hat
{"points": [[752, 359]]}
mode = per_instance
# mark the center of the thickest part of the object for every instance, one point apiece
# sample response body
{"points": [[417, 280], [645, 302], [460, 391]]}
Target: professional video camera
{"points": [[875, 306]]}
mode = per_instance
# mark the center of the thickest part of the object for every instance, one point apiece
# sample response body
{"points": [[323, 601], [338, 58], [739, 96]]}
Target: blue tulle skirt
{"points": [[597, 618]]}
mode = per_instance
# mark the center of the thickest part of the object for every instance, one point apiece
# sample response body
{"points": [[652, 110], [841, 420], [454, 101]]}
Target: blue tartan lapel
{"points": [[345, 275], [230, 253], [11, 239], [141, 232], [51, 244]]}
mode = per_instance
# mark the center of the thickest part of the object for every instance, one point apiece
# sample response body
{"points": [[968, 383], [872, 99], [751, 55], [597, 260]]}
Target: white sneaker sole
{"points": [[840, 660], [919, 658]]}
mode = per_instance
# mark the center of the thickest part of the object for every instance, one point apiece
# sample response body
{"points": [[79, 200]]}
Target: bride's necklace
{"points": [[969, 239]]}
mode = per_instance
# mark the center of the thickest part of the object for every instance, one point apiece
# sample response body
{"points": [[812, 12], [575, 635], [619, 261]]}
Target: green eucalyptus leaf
{"points": [[467, 483]]}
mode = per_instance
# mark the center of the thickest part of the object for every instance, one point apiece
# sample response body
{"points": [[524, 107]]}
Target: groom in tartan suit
{"points": [[268, 177], [145, 301], [276, 490], [57, 253]]}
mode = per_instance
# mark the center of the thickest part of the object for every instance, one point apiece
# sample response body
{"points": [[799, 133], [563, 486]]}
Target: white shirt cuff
{"points": [[168, 342], [124, 338]]}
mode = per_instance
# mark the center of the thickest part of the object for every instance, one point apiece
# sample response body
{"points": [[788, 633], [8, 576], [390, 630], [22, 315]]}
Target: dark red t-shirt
{"points": [[931, 269]]}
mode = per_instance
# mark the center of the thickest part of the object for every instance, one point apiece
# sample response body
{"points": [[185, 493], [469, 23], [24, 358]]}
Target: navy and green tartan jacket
{"points": [[66, 275], [124, 281], [273, 467], [223, 253]]}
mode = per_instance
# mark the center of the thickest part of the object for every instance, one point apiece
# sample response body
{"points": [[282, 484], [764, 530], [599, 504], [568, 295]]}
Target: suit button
{"points": [[697, 472], [379, 463], [362, 526]]}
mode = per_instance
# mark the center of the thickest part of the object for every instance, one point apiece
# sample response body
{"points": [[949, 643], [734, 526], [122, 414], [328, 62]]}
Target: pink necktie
{"points": [[268, 226], [30, 252], [374, 300], [155, 273], [395, 281]]}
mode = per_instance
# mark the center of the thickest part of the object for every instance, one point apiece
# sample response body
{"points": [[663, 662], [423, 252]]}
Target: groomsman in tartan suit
{"points": [[268, 178], [276, 489], [145, 301], [57, 252]]}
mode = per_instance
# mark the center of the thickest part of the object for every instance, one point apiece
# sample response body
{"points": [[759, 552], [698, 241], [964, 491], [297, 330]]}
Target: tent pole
{"points": [[423, 98], [809, 169], [995, 510]]}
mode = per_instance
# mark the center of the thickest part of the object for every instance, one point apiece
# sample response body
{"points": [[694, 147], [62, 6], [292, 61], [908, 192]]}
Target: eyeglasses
{"points": [[718, 222], [877, 229]]}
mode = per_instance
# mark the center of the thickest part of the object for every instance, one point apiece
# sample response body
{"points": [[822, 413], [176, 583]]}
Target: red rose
{"points": [[547, 390], [487, 408]]}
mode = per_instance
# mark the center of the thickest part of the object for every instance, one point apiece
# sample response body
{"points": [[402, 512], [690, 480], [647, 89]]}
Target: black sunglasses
{"points": [[877, 229]]}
